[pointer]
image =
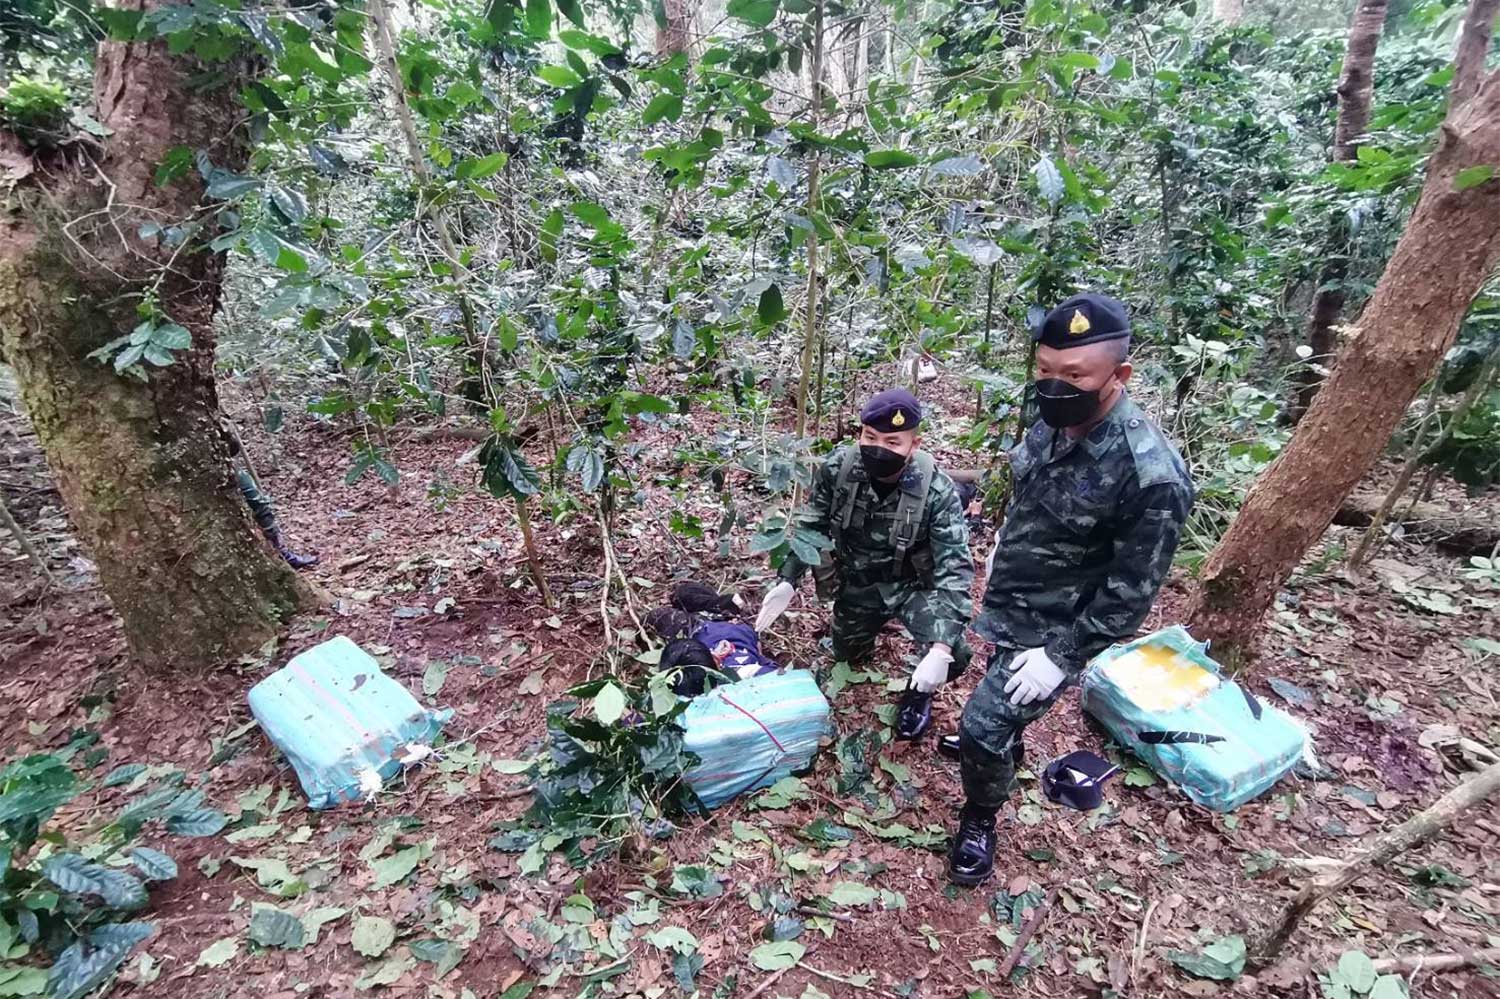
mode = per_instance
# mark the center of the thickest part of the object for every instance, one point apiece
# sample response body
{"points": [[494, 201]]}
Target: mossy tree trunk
{"points": [[140, 463]]}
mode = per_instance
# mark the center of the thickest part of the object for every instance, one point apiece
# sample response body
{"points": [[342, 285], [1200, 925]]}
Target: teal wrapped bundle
{"points": [[1165, 700], [750, 734], [340, 721]]}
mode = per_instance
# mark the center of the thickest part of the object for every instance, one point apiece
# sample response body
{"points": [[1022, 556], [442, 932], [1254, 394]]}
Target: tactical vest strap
{"points": [[844, 493], [909, 508]]}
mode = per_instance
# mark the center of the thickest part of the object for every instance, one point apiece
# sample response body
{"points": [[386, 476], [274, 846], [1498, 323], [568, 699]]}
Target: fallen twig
{"points": [[772, 980], [1028, 929], [1436, 962]]}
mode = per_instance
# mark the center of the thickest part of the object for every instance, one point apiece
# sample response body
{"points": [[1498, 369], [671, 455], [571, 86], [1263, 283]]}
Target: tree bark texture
{"points": [[1448, 250], [675, 34], [141, 465], [1355, 90]]}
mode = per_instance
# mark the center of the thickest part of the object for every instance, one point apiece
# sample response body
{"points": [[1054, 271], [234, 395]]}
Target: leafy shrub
{"points": [[33, 106], [74, 900], [611, 772]]}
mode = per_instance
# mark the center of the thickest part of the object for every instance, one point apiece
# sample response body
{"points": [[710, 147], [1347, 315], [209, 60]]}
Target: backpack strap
{"points": [[844, 492], [911, 505]]}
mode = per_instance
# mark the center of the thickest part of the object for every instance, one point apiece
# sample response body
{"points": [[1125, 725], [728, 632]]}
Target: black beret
{"points": [[1084, 319], [892, 410]]}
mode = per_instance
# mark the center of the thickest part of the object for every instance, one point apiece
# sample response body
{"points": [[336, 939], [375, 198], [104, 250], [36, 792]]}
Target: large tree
{"points": [[137, 454], [1355, 88], [1450, 247]]}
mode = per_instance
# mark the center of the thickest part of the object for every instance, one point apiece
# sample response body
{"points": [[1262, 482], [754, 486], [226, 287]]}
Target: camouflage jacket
{"points": [[1088, 539], [939, 560]]}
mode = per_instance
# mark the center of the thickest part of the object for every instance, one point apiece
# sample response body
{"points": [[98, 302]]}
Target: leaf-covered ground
{"points": [[407, 896]]}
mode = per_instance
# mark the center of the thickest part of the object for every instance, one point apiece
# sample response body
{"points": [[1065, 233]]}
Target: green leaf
{"points": [[673, 938], [771, 308], [552, 229], [1224, 959], [757, 12], [889, 159], [387, 973], [198, 823], [153, 864], [852, 893], [272, 927], [433, 679], [264, 244], [667, 106], [227, 186], [171, 336], [1049, 180], [289, 204], [777, 955], [559, 76], [1473, 176], [373, 935], [484, 166], [123, 774], [1388, 987], [21, 981], [539, 19], [314, 921], [389, 870], [1357, 971], [79, 971], [609, 704], [512, 766]]}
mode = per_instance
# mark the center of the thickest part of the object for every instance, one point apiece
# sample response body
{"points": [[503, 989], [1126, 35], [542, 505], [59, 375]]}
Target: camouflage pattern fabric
{"points": [[1086, 544], [260, 503], [1088, 538], [861, 611], [928, 591]]}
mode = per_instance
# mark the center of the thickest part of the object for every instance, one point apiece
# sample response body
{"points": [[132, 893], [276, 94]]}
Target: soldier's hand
{"points": [[778, 599], [1035, 677], [932, 672]]}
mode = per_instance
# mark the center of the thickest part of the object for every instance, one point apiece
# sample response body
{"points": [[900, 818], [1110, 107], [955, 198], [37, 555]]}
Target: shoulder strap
{"points": [[843, 497], [910, 507]]}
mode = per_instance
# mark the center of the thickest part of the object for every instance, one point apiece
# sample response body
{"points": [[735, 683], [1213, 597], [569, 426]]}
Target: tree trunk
{"points": [[1450, 247], [1356, 85], [675, 34], [1229, 12], [140, 464]]}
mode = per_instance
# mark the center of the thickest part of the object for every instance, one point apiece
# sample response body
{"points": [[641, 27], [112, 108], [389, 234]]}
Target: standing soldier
{"points": [[900, 550], [1099, 503]]}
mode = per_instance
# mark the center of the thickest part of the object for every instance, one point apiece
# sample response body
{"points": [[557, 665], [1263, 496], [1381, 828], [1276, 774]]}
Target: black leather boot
{"points": [[972, 859], [950, 746], [914, 716]]}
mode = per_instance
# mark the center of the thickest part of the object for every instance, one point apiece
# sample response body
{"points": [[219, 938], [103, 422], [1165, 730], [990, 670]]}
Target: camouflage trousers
{"points": [[990, 733], [259, 502], [861, 611]]}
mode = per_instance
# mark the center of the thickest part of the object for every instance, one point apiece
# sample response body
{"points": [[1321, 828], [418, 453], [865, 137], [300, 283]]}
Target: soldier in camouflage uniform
{"points": [[900, 550], [1099, 504]]}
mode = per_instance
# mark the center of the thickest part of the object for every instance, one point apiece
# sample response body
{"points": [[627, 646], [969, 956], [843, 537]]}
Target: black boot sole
{"points": [[969, 880]]}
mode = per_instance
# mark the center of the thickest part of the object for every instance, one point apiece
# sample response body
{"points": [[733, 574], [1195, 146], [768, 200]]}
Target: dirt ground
{"points": [[1379, 668]]}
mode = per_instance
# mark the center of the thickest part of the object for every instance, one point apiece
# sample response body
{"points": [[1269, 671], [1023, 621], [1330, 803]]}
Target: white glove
{"points": [[932, 672], [778, 599], [1035, 677]]}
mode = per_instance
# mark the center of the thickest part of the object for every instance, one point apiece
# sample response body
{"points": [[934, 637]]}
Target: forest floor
{"points": [[1383, 669]]}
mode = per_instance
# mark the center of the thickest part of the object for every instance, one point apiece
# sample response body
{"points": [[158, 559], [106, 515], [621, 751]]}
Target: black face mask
{"points": [[1063, 404], [881, 462]]}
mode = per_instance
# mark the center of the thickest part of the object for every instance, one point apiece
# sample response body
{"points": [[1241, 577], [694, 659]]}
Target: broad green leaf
{"points": [[435, 677], [609, 704], [771, 308], [22, 981], [1224, 959], [1357, 971], [777, 955], [272, 927], [512, 766], [539, 18], [757, 12], [198, 823], [559, 76], [667, 106], [889, 159], [673, 938], [171, 336], [123, 774], [314, 921], [851, 893], [552, 228], [1473, 176], [79, 970], [264, 244], [389, 870], [153, 864], [484, 166], [289, 204], [1389, 987], [228, 186], [1049, 180], [373, 935], [386, 973]]}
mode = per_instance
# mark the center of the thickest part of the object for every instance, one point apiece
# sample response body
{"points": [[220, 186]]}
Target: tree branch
{"points": [[1469, 52]]}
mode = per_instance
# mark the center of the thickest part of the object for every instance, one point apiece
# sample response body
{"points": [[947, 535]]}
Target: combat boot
{"points": [[972, 859], [914, 716], [292, 558]]}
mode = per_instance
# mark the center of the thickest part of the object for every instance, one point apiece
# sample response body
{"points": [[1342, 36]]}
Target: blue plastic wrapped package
{"points": [[750, 734], [338, 718], [1165, 700]]}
